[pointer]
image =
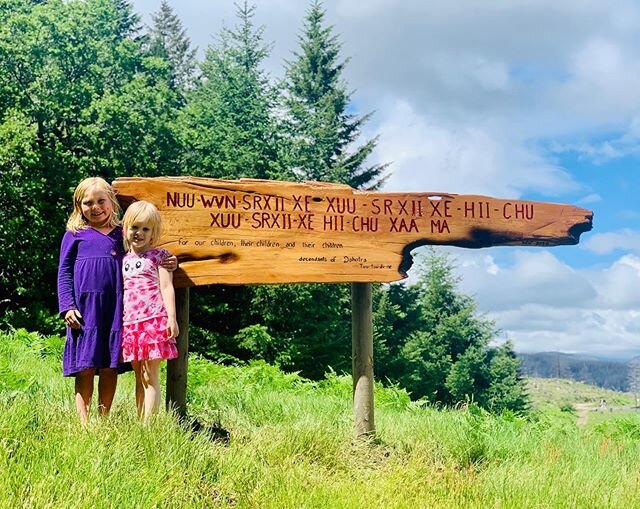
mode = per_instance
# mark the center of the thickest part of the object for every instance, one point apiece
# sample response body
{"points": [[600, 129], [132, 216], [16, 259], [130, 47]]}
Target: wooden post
{"points": [[176, 398], [362, 358]]}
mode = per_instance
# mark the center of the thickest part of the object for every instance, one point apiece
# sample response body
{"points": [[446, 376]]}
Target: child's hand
{"points": [[172, 329], [73, 319], [170, 263]]}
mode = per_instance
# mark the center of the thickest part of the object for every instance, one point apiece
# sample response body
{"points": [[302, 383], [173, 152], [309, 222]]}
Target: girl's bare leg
{"points": [[84, 393], [137, 369], [107, 382], [151, 384]]}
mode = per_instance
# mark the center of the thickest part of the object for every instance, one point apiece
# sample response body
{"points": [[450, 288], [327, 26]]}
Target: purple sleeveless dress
{"points": [[90, 280]]}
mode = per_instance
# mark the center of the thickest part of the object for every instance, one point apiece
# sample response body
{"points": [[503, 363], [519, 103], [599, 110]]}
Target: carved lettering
{"points": [[400, 224], [220, 201], [271, 221], [254, 231], [441, 208], [305, 221], [180, 200], [341, 205], [364, 224], [225, 220], [333, 223], [299, 204], [517, 211], [439, 226]]}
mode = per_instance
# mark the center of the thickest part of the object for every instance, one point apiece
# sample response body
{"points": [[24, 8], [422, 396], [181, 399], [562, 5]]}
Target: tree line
{"points": [[85, 90]]}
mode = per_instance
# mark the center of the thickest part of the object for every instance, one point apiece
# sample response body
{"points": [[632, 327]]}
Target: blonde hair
{"points": [[146, 213], [76, 220]]}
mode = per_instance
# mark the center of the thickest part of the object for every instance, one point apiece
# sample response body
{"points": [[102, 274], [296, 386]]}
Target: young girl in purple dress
{"points": [[149, 326], [90, 294]]}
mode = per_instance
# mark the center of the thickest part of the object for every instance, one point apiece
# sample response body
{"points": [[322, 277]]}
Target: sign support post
{"points": [[362, 359], [176, 393]]}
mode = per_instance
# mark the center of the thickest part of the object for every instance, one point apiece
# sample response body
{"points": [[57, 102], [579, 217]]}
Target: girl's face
{"points": [[96, 208], [139, 236]]}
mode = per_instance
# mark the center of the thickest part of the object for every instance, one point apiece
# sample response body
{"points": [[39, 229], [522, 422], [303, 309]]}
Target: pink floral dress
{"points": [[144, 332]]}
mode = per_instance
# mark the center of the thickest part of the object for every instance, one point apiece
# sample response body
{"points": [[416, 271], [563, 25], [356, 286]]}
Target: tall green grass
{"points": [[291, 445]]}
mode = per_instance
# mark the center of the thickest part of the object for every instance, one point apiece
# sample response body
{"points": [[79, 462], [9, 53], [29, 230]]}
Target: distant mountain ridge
{"points": [[606, 373]]}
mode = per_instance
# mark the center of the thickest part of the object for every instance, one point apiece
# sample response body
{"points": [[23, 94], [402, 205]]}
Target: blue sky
{"points": [[512, 99]]}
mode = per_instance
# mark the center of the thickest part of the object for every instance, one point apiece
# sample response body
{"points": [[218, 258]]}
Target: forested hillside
{"points": [[609, 374]]}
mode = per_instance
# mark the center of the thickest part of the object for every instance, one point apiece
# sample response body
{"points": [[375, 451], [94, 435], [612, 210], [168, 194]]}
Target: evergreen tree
{"points": [[227, 128], [168, 40], [507, 389], [310, 326], [396, 316], [449, 359], [317, 137], [320, 131]]}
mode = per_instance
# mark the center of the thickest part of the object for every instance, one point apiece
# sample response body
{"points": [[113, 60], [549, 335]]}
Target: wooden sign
{"points": [[261, 231]]}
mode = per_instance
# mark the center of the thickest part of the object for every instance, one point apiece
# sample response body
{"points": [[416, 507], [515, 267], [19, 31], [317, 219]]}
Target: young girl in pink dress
{"points": [[149, 323]]}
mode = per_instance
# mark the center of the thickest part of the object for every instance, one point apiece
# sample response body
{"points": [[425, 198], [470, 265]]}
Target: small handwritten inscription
{"points": [[312, 259]]}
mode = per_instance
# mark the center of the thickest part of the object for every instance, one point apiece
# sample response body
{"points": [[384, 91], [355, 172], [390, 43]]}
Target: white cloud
{"points": [[543, 304], [604, 243], [619, 285], [481, 159], [590, 198], [532, 278]]}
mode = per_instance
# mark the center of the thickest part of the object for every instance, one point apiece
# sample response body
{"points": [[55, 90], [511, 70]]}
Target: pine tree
{"points": [[320, 130], [449, 358], [228, 126], [507, 389], [168, 40], [128, 22]]}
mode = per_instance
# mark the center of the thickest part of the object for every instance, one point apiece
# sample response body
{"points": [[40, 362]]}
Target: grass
{"points": [[290, 445], [559, 392]]}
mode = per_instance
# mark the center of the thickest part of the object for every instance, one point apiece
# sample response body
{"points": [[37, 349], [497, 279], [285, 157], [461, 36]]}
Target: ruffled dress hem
{"points": [[147, 340]]}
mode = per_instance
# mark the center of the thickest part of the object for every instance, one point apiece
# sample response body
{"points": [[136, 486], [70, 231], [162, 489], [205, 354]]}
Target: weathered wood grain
{"points": [[259, 231]]}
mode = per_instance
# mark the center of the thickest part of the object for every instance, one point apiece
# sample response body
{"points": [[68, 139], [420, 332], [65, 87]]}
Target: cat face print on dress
{"points": [[133, 267]]}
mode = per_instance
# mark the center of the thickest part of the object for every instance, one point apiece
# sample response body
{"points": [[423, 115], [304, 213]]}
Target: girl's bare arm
{"points": [[169, 299]]}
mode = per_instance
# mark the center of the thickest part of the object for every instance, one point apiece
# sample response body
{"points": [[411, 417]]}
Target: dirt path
{"points": [[583, 409]]}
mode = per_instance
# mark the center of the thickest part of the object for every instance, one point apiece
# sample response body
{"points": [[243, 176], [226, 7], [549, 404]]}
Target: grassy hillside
{"points": [[290, 445], [559, 392]]}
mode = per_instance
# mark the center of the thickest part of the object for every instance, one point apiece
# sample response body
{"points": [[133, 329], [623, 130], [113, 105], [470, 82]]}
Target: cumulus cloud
{"points": [[604, 243], [427, 155], [541, 303], [529, 278]]}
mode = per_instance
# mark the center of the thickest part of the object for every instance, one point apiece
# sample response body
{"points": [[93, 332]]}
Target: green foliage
{"points": [[168, 40], [447, 359], [311, 324], [397, 314], [227, 127], [507, 389], [77, 97], [625, 428], [320, 130]]}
